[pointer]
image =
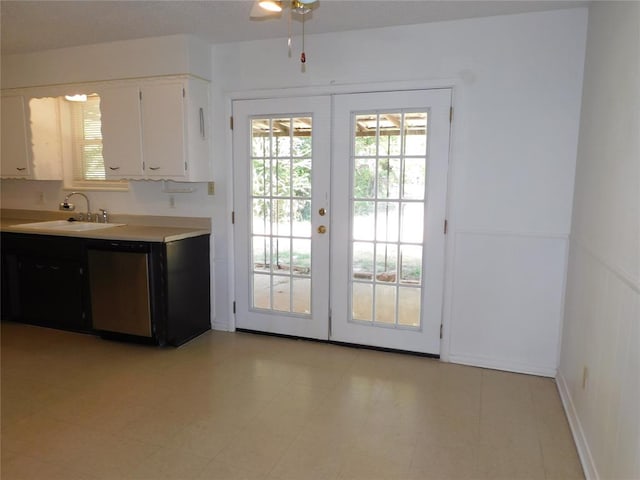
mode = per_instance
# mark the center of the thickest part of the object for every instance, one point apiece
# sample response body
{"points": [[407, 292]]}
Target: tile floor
{"points": [[242, 406]]}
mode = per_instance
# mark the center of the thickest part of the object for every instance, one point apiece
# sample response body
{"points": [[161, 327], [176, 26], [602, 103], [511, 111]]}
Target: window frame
{"points": [[71, 126]]}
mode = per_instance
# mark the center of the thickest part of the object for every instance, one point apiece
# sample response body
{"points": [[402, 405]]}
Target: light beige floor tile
{"points": [[310, 458], [23, 467], [169, 463], [450, 430], [219, 470], [379, 455], [241, 406], [439, 462], [510, 462], [255, 451]]}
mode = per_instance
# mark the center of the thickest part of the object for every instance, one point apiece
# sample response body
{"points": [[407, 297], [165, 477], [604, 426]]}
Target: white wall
{"points": [[517, 95], [602, 319], [517, 86]]}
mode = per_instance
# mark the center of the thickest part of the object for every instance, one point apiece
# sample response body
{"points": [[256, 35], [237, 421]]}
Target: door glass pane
{"points": [[409, 306], [389, 138], [387, 221], [364, 176], [362, 220], [385, 304], [388, 194], [386, 262], [362, 301], [281, 223], [262, 291], [413, 178], [302, 295], [389, 178], [363, 260], [415, 134]]}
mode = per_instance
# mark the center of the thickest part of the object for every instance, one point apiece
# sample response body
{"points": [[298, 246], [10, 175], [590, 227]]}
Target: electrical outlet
{"points": [[41, 198], [211, 188], [172, 202], [585, 377]]}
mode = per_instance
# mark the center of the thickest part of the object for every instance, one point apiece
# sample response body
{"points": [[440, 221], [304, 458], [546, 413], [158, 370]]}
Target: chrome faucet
{"points": [[65, 205]]}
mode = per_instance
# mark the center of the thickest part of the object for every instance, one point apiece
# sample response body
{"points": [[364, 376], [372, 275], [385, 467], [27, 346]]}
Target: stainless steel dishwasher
{"points": [[119, 284]]}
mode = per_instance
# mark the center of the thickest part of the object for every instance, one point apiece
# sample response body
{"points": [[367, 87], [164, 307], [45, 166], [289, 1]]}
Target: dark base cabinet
{"points": [[139, 291], [44, 281]]}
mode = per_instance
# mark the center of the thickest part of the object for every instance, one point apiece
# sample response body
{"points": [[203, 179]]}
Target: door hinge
{"points": [[143, 166], [330, 318], [231, 122], [446, 226], [450, 114], [81, 271], [234, 306], [185, 166], [440, 330], [183, 93], [84, 315], [233, 218], [140, 94]]}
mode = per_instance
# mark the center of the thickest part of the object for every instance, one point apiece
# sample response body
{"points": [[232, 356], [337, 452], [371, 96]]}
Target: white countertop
{"points": [[10, 223]]}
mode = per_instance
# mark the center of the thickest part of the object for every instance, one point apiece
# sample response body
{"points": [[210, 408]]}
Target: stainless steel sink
{"points": [[66, 226]]}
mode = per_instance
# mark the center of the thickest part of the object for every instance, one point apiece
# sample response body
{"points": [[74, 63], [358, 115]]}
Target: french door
{"points": [[281, 181], [339, 213]]}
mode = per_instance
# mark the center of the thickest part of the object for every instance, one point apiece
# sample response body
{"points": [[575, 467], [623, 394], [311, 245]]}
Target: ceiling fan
{"points": [[264, 9]]}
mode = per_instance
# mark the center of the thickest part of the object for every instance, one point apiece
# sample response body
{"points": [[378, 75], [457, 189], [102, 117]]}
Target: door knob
{"points": [[322, 229], [322, 212]]}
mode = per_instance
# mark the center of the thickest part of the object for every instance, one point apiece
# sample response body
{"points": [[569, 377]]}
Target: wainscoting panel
{"points": [[507, 299]]}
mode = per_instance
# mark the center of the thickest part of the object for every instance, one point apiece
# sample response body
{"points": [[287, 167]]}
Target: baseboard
{"points": [[582, 445], [220, 326], [497, 364]]}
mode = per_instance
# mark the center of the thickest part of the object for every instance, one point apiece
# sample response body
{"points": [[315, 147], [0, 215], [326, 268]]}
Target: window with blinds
{"points": [[88, 163]]}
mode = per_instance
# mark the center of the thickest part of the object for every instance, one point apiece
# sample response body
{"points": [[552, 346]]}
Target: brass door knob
{"points": [[322, 229], [322, 212]]}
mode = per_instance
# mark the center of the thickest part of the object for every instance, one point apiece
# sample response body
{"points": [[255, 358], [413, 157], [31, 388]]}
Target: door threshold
{"points": [[341, 344]]}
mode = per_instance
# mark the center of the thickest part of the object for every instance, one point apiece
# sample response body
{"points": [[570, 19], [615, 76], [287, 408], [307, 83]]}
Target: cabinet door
{"points": [[198, 131], [121, 132], [163, 130], [46, 139], [15, 148], [51, 292]]}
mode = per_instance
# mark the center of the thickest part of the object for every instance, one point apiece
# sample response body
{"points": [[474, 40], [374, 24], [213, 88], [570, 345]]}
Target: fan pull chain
{"points": [[289, 42], [303, 57]]}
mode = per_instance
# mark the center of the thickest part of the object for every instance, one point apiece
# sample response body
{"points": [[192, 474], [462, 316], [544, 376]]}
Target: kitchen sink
{"points": [[67, 226]]}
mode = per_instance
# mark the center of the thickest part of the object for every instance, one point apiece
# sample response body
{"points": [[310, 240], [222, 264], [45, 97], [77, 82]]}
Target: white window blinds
{"points": [[88, 163]]}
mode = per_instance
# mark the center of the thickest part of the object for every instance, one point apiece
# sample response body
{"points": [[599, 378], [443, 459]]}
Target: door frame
{"points": [[459, 94]]}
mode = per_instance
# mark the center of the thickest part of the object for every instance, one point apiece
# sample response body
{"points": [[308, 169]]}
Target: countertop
{"points": [[135, 228]]}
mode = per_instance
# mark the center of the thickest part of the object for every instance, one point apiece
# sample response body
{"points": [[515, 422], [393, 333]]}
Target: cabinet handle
{"points": [[154, 168], [202, 122], [21, 169], [114, 168], [55, 267]]}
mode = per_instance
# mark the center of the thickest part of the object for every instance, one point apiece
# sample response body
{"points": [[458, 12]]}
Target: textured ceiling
{"points": [[29, 26]]}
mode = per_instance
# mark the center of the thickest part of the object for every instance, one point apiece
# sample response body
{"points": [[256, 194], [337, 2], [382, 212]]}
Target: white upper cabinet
{"points": [[157, 130], [164, 131], [121, 132], [31, 144], [16, 152]]}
